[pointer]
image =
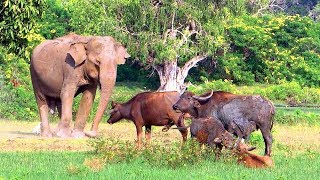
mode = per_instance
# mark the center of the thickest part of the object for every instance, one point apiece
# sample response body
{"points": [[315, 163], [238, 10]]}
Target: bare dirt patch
{"points": [[18, 136]]}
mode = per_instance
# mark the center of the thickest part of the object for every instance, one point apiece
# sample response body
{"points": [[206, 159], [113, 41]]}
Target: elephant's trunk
{"points": [[107, 82]]}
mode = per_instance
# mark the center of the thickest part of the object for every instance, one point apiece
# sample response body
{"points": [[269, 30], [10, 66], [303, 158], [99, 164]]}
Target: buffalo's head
{"points": [[190, 103], [226, 139], [242, 148], [115, 113]]}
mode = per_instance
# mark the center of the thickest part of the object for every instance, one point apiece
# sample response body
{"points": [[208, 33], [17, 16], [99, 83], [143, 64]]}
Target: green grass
{"points": [[63, 165]]}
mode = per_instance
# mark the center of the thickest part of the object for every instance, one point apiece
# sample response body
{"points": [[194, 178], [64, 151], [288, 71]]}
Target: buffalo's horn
{"points": [[200, 98], [111, 111]]}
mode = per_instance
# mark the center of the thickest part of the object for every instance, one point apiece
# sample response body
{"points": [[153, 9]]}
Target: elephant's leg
{"points": [[148, 133], [43, 107], [67, 95], [59, 108], [43, 110], [84, 110]]}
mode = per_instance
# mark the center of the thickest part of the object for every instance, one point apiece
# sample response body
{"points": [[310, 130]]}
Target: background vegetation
{"points": [[262, 47], [266, 47]]}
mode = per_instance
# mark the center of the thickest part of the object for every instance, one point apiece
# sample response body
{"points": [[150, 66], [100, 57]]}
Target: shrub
{"points": [[17, 103], [217, 85], [297, 116], [175, 156]]}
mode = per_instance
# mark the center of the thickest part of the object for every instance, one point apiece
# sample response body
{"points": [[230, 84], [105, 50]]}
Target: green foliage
{"points": [[218, 85], [135, 73], [17, 18], [272, 49], [161, 31], [16, 99], [17, 103], [70, 165], [176, 156], [256, 140], [297, 116], [55, 20]]}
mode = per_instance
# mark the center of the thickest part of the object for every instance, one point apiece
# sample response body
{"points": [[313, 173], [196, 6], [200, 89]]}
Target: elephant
{"points": [[70, 65]]}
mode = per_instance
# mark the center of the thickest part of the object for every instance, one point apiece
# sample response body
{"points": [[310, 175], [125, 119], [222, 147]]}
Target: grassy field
{"points": [[296, 153]]}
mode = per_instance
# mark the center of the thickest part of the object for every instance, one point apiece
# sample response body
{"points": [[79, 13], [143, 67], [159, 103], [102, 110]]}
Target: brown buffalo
{"points": [[251, 160], [240, 115], [211, 131], [149, 109]]}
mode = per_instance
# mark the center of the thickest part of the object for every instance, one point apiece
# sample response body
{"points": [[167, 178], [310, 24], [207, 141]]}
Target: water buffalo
{"points": [[147, 109], [251, 160], [239, 114], [210, 131]]}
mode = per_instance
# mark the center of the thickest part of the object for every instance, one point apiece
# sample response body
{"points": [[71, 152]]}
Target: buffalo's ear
{"points": [[78, 53], [217, 140], [196, 104], [113, 104]]}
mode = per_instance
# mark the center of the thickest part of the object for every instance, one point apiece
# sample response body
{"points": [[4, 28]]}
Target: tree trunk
{"points": [[172, 77]]}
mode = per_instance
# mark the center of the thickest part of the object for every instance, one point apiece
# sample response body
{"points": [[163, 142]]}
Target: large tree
{"points": [[168, 36]]}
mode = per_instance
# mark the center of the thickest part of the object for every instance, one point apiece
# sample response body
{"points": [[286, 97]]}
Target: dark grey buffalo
{"points": [[239, 114]]}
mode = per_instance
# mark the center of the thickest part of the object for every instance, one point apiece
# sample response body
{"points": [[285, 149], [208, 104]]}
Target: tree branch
{"points": [[191, 63], [271, 4]]}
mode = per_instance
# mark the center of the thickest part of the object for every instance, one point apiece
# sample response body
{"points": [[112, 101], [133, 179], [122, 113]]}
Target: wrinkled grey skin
{"points": [[239, 114], [70, 65]]}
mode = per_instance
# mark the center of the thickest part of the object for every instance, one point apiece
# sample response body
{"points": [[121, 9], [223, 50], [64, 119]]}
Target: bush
{"points": [[174, 156], [297, 116], [217, 85], [17, 103]]}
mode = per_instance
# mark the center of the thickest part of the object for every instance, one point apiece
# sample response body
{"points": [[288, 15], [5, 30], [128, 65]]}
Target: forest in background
{"points": [[273, 44]]}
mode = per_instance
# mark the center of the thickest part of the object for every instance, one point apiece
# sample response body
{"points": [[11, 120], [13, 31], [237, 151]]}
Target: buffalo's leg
{"points": [[218, 150], [148, 133], [83, 111], [267, 137], [168, 126], [184, 133], [139, 136]]}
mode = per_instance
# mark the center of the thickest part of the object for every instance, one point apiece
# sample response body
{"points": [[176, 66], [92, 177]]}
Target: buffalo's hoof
{"points": [[64, 133], [78, 134], [165, 129], [91, 134]]}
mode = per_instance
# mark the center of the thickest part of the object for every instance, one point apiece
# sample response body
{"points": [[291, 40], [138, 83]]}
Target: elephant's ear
{"points": [[94, 49], [78, 53], [122, 54]]}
